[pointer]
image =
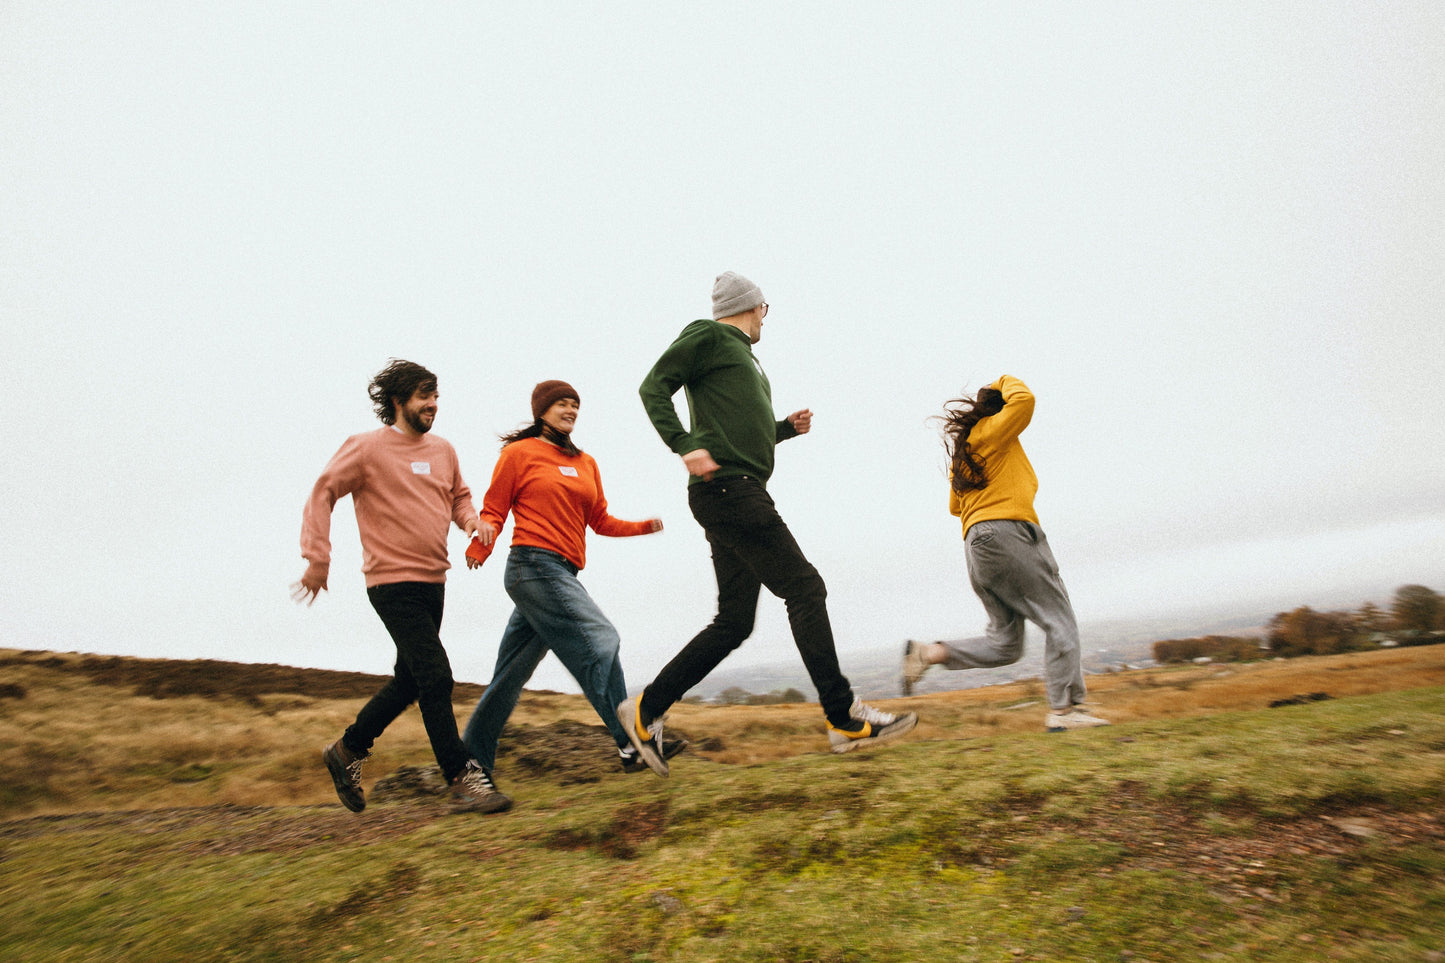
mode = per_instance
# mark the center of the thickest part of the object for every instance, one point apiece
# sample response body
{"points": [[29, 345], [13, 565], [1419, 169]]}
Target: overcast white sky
{"points": [[1209, 237]]}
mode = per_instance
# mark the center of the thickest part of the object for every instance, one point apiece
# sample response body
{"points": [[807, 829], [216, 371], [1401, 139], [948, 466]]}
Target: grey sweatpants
{"points": [[1015, 575]]}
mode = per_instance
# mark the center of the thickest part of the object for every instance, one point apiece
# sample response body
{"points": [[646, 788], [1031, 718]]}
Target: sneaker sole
{"points": [[627, 715], [339, 780], [1094, 725], [910, 721]]}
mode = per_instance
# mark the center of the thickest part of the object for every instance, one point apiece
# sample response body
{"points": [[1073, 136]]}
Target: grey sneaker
{"points": [[345, 769], [474, 792], [1075, 717], [645, 739], [869, 727], [913, 665], [632, 760]]}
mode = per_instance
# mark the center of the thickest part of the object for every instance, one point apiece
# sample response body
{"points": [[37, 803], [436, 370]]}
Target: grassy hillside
{"points": [[1203, 825]]}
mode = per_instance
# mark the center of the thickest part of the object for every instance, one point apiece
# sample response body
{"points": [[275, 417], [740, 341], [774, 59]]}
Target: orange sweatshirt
{"points": [[553, 498], [1012, 483], [405, 491]]}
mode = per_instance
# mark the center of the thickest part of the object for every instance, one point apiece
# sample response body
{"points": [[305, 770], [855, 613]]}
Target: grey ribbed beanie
{"points": [[733, 294]]}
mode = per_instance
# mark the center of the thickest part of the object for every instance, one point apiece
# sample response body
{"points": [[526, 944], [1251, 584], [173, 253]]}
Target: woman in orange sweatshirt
{"points": [[1010, 564], [553, 492]]}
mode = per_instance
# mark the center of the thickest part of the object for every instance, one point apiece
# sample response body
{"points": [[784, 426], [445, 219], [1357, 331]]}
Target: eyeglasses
{"points": [[764, 306]]}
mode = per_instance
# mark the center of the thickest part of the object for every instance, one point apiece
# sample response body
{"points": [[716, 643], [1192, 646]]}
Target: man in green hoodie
{"points": [[728, 452]]}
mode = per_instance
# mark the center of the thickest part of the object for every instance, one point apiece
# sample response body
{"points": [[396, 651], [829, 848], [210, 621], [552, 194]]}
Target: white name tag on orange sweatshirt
{"points": [[567, 470], [421, 468]]}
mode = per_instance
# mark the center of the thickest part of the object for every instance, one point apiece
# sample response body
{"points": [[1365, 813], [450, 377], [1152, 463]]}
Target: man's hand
{"points": [[307, 589], [485, 534], [700, 464], [801, 421]]}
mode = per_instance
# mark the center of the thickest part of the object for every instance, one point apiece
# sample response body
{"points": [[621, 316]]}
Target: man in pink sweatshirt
{"points": [[407, 488]]}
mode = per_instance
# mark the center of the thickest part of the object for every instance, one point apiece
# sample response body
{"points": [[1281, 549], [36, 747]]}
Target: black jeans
{"points": [[412, 614], [752, 547]]}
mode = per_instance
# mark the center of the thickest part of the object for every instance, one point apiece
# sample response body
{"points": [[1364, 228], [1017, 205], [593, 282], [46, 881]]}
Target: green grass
{"points": [[1206, 838]]}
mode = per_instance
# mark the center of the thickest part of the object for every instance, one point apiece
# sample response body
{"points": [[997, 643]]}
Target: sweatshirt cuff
{"points": [[479, 552]]}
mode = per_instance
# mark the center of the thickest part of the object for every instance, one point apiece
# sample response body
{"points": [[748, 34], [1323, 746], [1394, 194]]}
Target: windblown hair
{"points": [[540, 429], [959, 417], [395, 384]]}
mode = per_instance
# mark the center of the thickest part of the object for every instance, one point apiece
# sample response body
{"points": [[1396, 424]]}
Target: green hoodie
{"points": [[729, 400]]}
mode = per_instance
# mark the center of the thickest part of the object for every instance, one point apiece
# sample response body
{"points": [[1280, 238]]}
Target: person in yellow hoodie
{"points": [[1010, 564]]}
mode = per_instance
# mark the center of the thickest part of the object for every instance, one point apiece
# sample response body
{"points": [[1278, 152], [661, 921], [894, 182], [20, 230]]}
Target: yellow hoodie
{"points": [[1012, 483]]}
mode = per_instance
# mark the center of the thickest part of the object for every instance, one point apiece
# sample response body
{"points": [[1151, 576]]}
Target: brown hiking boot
{"points": [[345, 769], [474, 792]]}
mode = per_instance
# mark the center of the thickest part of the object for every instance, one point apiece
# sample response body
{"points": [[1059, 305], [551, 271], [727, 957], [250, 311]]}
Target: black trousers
{"points": [[412, 614], [752, 547]]}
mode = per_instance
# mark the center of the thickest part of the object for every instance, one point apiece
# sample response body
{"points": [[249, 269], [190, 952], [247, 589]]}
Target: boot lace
{"points": [[476, 780], [353, 771]]}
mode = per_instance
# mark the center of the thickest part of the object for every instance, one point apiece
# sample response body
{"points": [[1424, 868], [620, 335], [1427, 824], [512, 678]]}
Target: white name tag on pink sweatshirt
{"points": [[421, 468]]}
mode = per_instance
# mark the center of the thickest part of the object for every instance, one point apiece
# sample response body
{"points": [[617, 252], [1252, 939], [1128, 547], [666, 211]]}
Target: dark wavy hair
{"points": [[397, 382], [540, 429], [959, 416]]}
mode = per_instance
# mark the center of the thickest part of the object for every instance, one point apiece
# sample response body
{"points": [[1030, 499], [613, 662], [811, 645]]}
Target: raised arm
{"points": [[1018, 408]]}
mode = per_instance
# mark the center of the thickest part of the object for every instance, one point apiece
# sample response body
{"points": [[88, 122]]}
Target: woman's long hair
{"points": [[540, 429], [959, 416]]}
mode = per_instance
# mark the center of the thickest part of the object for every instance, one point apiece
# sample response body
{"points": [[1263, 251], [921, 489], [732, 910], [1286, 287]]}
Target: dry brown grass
{"points": [[750, 734], [71, 743]]}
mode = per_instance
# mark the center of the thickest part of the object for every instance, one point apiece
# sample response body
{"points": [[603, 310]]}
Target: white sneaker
{"points": [[872, 727], [1075, 717], [646, 740], [913, 665]]}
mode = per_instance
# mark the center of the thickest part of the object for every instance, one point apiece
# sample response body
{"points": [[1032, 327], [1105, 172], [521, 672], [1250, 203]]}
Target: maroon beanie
{"points": [[548, 393]]}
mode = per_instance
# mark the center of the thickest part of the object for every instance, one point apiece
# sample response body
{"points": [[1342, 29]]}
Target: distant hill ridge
{"points": [[171, 678]]}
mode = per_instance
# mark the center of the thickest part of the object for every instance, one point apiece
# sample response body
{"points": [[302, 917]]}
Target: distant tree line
{"points": [[1416, 617], [738, 696], [1220, 648]]}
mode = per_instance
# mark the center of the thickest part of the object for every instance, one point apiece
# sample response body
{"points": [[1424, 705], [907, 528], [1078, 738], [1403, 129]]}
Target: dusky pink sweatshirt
{"points": [[405, 491]]}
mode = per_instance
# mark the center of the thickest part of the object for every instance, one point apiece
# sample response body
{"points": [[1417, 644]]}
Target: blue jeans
{"points": [[553, 611]]}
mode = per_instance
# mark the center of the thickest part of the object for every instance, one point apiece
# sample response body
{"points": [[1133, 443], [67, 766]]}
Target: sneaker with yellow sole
{"points": [[869, 727], [645, 738]]}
